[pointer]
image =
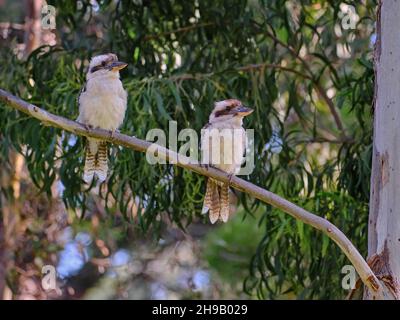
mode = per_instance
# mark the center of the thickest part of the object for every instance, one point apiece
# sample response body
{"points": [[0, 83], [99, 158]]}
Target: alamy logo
{"points": [[218, 147], [48, 21], [348, 16], [49, 278], [349, 280]]}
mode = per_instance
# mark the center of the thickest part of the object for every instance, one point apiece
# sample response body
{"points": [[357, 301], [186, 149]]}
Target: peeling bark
{"points": [[380, 265]]}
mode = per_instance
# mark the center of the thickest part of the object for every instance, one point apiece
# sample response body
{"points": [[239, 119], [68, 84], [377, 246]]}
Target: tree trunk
{"points": [[384, 216]]}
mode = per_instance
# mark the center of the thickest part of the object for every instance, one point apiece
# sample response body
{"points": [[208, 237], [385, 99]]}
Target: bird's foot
{"points": [[87, 126], [204, 165], [112, 133], [230, 176]]}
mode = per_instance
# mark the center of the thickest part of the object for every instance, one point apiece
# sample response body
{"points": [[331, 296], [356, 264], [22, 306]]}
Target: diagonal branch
{"points": [[365, 272]]}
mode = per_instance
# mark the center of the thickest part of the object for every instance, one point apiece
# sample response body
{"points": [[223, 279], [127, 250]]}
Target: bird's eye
{"points": [[103, 63]]}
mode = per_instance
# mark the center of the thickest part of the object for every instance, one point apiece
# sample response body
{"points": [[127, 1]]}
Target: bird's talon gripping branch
{"points": [[112, 134], [88, 126], [204, 165]]}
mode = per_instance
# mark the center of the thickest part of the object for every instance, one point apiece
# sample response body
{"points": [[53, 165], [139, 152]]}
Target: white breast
{"points": [[225, 153], [103, 103]]}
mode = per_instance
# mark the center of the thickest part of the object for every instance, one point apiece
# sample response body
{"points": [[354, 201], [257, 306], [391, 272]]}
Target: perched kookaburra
{"points": [[226, 121], [102, 104]]}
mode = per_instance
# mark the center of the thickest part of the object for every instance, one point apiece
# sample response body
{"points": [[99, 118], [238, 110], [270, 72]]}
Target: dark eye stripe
{"points": [[223, 112], [96, 68], [102, 65]]}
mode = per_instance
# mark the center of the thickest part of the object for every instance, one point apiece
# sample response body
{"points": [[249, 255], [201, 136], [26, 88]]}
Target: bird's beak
{"points": [[243, 111], [117, 65]]}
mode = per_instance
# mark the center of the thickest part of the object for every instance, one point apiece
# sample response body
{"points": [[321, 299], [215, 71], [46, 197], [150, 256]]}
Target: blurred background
{"points": [[304, 66]]}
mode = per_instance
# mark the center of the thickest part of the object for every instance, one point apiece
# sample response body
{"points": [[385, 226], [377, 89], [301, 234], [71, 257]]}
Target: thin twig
{"points": [[321, 91], [179, 30], [246, 68], [365, 272], [324, 140], [251, 67]]}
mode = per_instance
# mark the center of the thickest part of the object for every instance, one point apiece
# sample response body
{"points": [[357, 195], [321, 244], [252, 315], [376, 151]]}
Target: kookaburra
{"points": [[223, 144], [102, 104]]}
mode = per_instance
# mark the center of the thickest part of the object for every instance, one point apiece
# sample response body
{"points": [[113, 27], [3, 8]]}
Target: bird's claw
{"points": [[88, 126], [204, 165], [112, 133]]}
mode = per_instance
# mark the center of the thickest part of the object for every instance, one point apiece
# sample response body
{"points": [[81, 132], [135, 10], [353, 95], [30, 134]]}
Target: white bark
{"points": [[384, 220]]}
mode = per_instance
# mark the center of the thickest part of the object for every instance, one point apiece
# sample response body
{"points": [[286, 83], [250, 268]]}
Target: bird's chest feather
{"points": [[103, 104], [224, 146]]}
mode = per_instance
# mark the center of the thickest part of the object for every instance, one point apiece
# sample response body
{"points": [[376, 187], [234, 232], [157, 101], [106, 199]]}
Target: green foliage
{"points": [[229, 248], [295, 260], [183, 56]]}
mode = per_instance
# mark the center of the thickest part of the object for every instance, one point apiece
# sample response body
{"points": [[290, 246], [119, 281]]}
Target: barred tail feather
{"points": [[207, 197], [225, 205], [95, 161], [101, 163], [89, 168]]}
